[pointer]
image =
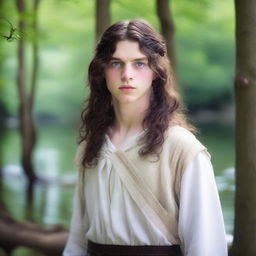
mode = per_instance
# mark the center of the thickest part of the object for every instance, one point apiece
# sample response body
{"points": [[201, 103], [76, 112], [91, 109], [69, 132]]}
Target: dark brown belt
{"points": [[95, 249]]}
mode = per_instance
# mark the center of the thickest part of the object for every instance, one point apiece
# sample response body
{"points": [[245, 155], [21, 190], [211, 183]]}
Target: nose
{"points": [[127, 73]]}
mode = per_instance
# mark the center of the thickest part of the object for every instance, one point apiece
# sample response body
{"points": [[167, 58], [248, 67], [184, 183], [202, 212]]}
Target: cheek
{"points": [[111, 75], [147, 75]]}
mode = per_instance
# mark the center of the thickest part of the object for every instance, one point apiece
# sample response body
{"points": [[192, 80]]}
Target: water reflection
{"points": [[226, 188], [226, 181], [43, 200], [48, 160]]}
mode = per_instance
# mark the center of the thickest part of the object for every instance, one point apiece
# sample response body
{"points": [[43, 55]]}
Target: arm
{"points": [[76, 244], [201, 225]]}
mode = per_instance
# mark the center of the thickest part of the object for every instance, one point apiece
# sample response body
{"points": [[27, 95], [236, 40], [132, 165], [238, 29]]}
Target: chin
{"points": [[126, 100]]}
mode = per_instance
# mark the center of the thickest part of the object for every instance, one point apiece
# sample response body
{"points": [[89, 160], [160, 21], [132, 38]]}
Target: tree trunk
{"points": [[14, 234], [35, 54], [27, 127], [102, 17], [167, 28], [245, 94]]}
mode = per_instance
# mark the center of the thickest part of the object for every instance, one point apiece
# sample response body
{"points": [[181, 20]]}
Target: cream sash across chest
{"points": [[143, 196]]}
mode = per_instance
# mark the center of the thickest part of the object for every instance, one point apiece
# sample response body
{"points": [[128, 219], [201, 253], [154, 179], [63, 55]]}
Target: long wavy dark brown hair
{"points": [[98, 115]]}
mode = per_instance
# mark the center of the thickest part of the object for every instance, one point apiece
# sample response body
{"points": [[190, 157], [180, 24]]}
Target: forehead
{"points": [[128, 50]]}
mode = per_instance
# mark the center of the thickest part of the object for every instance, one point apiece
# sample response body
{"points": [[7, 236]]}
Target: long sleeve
{"points": [[76, 244], [201, 225]]}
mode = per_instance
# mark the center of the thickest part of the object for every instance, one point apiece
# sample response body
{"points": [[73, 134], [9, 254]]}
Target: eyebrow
{"points": [[137, 59]]}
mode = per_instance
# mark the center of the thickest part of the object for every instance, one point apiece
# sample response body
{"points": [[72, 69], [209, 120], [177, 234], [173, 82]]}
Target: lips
{"points": [[126, 87]]}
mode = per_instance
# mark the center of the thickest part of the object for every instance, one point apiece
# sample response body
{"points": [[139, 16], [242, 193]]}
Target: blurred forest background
{"points": [[65, 40]]}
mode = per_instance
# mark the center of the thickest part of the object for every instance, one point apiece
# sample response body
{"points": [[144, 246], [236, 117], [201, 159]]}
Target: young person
{"points": [[146, 184]]}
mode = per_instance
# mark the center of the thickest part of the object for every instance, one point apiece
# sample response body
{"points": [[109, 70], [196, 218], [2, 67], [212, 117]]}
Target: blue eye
{"points": [[140, 64], [115, 64]]}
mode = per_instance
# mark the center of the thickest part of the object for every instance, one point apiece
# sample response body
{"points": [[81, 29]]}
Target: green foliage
{"points": [[204, 47], [4, 30]]}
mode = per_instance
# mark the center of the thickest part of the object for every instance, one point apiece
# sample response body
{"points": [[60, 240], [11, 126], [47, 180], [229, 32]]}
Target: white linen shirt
{"points": [[112, 216]]}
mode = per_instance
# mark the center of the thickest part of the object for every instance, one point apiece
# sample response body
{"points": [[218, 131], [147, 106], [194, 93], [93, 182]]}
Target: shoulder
{"points": [[181, 136], [181, 143]]}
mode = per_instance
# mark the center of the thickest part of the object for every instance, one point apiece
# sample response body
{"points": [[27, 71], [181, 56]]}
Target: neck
{"points": [[129, 116]]}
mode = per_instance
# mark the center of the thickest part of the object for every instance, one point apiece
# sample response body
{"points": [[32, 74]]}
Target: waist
{"points": [[95, 249]]}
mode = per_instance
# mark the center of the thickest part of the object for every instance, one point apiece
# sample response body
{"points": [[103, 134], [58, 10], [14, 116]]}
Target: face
{"points": [[128, 76]]}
